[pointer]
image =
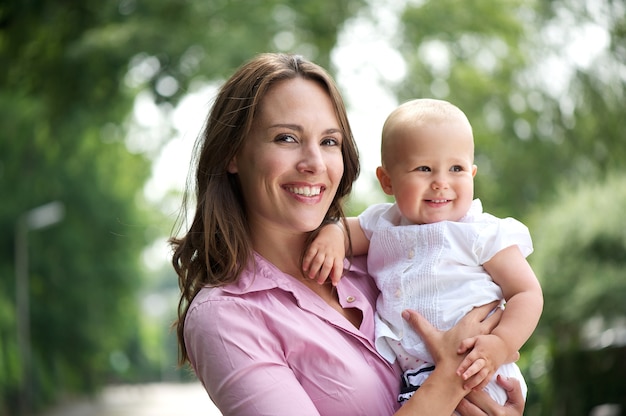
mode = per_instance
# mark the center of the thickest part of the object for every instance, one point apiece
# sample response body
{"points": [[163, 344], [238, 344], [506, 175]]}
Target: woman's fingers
{"points": [[482, 319], [491, 321], [431, 336], [513, 389], [467, 408], [419, 324], [477, 402]]}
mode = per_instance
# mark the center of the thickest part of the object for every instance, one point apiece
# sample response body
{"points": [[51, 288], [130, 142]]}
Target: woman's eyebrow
{"points": [[287, 126], [299, 128], [332, 131]]}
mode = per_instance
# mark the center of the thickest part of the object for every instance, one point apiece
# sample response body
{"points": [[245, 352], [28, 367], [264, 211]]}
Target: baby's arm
{"points": [[524, 303], [325, 255]]}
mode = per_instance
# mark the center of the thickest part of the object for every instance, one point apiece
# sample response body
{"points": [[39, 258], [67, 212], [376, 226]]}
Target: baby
{"points": [[435, 251]]}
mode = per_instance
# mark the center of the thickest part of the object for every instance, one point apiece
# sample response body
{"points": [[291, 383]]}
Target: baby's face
{"points": [[430, 171]]}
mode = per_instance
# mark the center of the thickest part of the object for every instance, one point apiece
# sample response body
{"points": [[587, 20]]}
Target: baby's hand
{"points": [[488, 352], [325, 255]]}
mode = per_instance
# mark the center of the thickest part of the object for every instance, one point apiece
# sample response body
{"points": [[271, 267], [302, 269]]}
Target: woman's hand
{"points": [[445, 346], [479, 403], [444, 390]]}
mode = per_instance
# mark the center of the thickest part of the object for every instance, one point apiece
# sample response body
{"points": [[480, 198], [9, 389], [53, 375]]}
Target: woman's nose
{"points": [[312, 160]]}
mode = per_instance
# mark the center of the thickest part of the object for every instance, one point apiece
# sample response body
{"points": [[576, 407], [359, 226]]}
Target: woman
{"points": [[275, 161]]}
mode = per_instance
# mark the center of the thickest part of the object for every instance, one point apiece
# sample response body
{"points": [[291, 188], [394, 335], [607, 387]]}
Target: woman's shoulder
{"points": [[211, 301], [241, 296], [217, 313]]}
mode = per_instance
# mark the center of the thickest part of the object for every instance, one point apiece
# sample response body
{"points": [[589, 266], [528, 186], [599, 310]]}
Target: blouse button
{"points": [[411, 254], [350, 299]]}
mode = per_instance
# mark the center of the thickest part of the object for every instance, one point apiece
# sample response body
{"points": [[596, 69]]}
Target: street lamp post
{"points": [[35, 219]]}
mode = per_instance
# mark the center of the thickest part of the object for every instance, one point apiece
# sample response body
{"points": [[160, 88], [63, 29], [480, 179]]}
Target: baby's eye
{"points": [[456, 168], [422, 169]]}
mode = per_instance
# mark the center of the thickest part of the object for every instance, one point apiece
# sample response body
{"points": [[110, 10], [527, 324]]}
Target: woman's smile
{"points": [[291, 164], [304, 190]]}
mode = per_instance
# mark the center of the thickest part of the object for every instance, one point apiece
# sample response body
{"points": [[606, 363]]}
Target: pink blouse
{"points": [[268, 345]]}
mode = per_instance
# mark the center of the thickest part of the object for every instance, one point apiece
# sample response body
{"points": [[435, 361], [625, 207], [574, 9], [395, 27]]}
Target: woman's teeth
{"points": [[305, 190]]}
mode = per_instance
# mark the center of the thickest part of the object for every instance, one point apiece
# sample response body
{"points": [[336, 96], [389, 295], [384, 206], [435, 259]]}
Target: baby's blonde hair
{"points": [[418, 113]]}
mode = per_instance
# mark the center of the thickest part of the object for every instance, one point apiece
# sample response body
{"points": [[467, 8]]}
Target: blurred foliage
{"points": [[586, 381], [69, 73], [582, 270], [580, 257]]}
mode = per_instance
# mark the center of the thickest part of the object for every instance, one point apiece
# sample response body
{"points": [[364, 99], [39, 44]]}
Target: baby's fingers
{"points": [[337, 272], [324, 268], [308, 258], [466, 345], [473, 369], [314, 265], [479, 380], [464, 366], [484, 383]]}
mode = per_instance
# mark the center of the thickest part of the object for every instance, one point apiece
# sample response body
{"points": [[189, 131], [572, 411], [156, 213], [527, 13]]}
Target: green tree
{"points": [[69, 73], [540, 114], [580, 256], [582, 269]]}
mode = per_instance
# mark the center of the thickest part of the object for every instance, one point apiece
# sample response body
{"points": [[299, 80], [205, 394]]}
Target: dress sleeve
{"points": [[369, 219], [241, 363], [496, 235]]}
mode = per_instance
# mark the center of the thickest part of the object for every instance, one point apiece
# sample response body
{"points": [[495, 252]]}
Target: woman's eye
{"points": [[288, 138], [330, 141]]}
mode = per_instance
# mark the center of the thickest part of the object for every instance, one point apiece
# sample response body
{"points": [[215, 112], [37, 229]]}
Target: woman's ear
{"points": [[384, 179], [232, 165]]}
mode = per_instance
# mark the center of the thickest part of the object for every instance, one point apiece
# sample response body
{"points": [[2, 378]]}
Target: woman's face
{"points": [[291, 163]]}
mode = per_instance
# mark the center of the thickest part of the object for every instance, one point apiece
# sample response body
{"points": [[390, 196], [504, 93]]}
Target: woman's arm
{"points": [[235, 361], [443, 390]]}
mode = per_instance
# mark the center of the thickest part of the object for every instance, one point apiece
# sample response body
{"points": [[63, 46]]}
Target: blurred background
{"points": [[100, 104]]}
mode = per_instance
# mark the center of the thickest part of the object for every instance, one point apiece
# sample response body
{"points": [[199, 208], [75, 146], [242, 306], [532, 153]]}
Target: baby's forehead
{"points": [[426, 114], [421, 131], [415, 118], [408, 141]]}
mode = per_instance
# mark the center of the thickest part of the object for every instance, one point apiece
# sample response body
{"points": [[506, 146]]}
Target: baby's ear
{"points": [[384, 179], [474, 170]]}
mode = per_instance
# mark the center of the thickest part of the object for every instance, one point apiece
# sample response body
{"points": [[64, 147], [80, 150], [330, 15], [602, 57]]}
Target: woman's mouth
{"points": [[304, 190]]}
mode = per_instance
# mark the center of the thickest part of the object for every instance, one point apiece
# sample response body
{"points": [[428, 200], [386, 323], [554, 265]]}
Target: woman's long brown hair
{"points": [[216, 246]]}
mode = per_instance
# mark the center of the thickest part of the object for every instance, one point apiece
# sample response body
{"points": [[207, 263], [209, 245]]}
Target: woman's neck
{"points": [[283, 250]]}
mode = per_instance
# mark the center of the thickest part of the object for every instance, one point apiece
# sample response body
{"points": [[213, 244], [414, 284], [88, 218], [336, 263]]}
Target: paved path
{"points": [[159, 399]]}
